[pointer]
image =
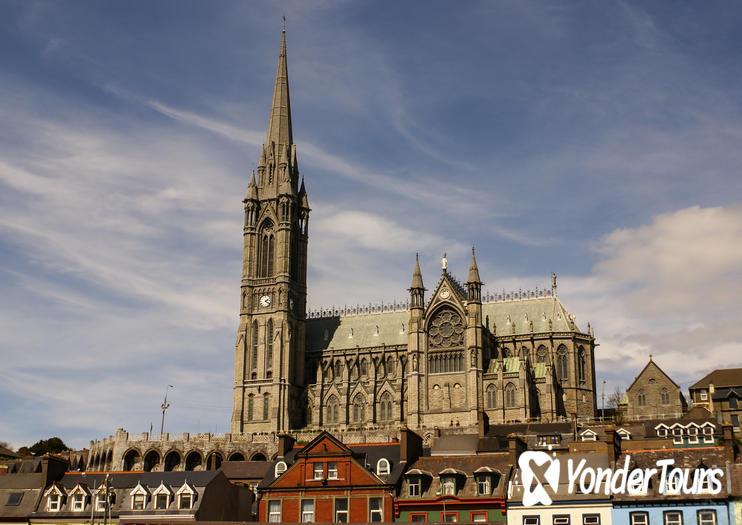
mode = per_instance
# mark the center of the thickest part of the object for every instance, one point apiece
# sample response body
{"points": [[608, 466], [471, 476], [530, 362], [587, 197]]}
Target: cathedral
{"points": [[449, 356]]}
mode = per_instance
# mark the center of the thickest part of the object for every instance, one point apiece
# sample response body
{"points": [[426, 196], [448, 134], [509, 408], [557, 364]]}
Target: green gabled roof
{"points": [[521, 312], [539, 370], [392, 330], [511, 364]]}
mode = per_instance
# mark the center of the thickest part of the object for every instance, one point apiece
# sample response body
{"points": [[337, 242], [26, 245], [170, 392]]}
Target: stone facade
{"points": [[437, 361], [653, 395]]}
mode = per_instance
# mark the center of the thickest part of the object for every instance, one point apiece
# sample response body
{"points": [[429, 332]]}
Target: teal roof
{"points": [[390, 328]]}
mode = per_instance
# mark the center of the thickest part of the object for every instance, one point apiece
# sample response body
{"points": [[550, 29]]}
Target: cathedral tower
{"points": [[269, 354]]}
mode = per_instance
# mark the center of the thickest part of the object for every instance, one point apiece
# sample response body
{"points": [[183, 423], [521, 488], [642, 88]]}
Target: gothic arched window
{"points": [[332, 410], [642, 398], [364, 367], [541, 354], [338, 370], [250, 407], [491, 397], [510, 395], [266, 405], [359, 409], [390, 366], [446, 329], [269, 344], [254, 362], [581, 364], [665, 396], [385, 407], [562, 367], [266, 253]]}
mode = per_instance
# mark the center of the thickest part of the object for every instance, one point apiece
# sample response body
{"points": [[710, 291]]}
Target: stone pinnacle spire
{"points": [[417, 276], [279, 125], [473, 270]]}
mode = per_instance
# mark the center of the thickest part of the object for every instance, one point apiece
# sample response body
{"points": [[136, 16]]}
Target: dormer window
{"points": [[280, 468], [448, 485], [677, 435], [708, 434], [382, 467], [662, 431], [162, 497], [186, 496], [484, 484], [55, 502], [78, 501], [138, 497], [625, 434], [588, 435], [100, 502]]}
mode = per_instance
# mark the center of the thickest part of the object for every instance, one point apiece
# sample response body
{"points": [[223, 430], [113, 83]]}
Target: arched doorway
{"points": [[193, 461], [172, 461], [132, 459], [151, 460]]}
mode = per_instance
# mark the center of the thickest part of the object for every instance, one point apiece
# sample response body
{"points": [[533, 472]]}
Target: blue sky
{"points": [[598, 141]]}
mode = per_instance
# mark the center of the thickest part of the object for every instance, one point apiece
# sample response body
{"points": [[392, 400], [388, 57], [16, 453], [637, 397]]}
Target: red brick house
{"points": [[327, 481]]}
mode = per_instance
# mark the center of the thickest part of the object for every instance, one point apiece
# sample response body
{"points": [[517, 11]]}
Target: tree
{"points": [[48, 446], [614, 398]]}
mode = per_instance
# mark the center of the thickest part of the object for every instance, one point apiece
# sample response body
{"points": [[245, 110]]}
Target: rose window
{"points": [[446, 330]]}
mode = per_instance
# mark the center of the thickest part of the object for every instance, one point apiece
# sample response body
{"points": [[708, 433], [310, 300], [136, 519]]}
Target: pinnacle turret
{"points": [[252, 189], [417, 276], [473, 270], [279, 124]]}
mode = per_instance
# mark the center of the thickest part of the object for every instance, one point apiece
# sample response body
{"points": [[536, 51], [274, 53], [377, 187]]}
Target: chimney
{"points": [[515, 446], [410, 445], [730, 449], [711, 397], [285, 443]]}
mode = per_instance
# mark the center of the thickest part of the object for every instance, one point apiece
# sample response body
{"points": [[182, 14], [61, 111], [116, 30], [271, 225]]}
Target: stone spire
{"points": [[417, 276], [252, 189], [473, 270], [279, 124]]}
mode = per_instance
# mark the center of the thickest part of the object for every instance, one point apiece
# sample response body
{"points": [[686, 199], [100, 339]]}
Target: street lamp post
{"points": [[165, 405], [602, 416]]}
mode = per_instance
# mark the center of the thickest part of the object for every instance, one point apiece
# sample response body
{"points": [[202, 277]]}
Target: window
{"points": [[561, 520], [478, 517], [266, 405], [341, 510], [390, 366], [450, 517], [484, 486], [138, 501], [100, 502], [78, 501], [414, 486], [625, 434], [641, 399], [382, 467], [591, 519], [510, 395], [673, 517], [448, 486], [414, 518], [562, 367], [332, 410], [734, 418], [254, 361], [274, 511], [732, 402], [364, 367], [385, 407], [338, 370], [280, 468], [14, 498], [639, 518], [375, 510], [692, 434], [541, 354], [706, 517], [55, 501], [581, 365], [359, 409], [307, 510], [704, 396], [665, 396], [545, 440], [161, 501], [185, 500], [267, 248], [319, 471], [708, 434], [677, 436], [491, 397], [589, 435], [332, 471], [662, 432], [250, 407], [269, 345], [531, 520]]}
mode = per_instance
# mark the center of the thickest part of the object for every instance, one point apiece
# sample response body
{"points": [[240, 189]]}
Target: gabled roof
{"points": [[309, 448], [646, 367], [721, 377]]}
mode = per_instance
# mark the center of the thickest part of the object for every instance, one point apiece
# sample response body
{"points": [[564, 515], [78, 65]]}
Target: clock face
{"points": [[265, 301], [445, 294]]}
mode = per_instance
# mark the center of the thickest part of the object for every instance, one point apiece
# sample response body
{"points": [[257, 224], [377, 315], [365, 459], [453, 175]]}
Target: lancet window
{"points": [[266, 253]]}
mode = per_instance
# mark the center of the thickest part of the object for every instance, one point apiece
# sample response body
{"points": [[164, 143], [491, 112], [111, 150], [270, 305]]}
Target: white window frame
{"points": [[677, 435], [137, 499], [332, 470], [662, 431], [448, 485], [561, 520], [55, 502], [341, 515], [708, 433], [484, 481], [692, 434], [379, 512], [307, 511], [414, 486], [274, 511], [591, 519], [531, 520], [588, 435], [78, 500], [280, 468], [626, 435], [383, 467], [634, 518], [100, 502], [157, 500], [185, 490], [704, 396], [318, 471], [703, 520], [672, 517]]}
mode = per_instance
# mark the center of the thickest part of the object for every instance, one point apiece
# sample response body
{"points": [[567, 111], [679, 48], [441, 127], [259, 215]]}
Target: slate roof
{"points": [[246, 470], [721, 378], [503, 315]]}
